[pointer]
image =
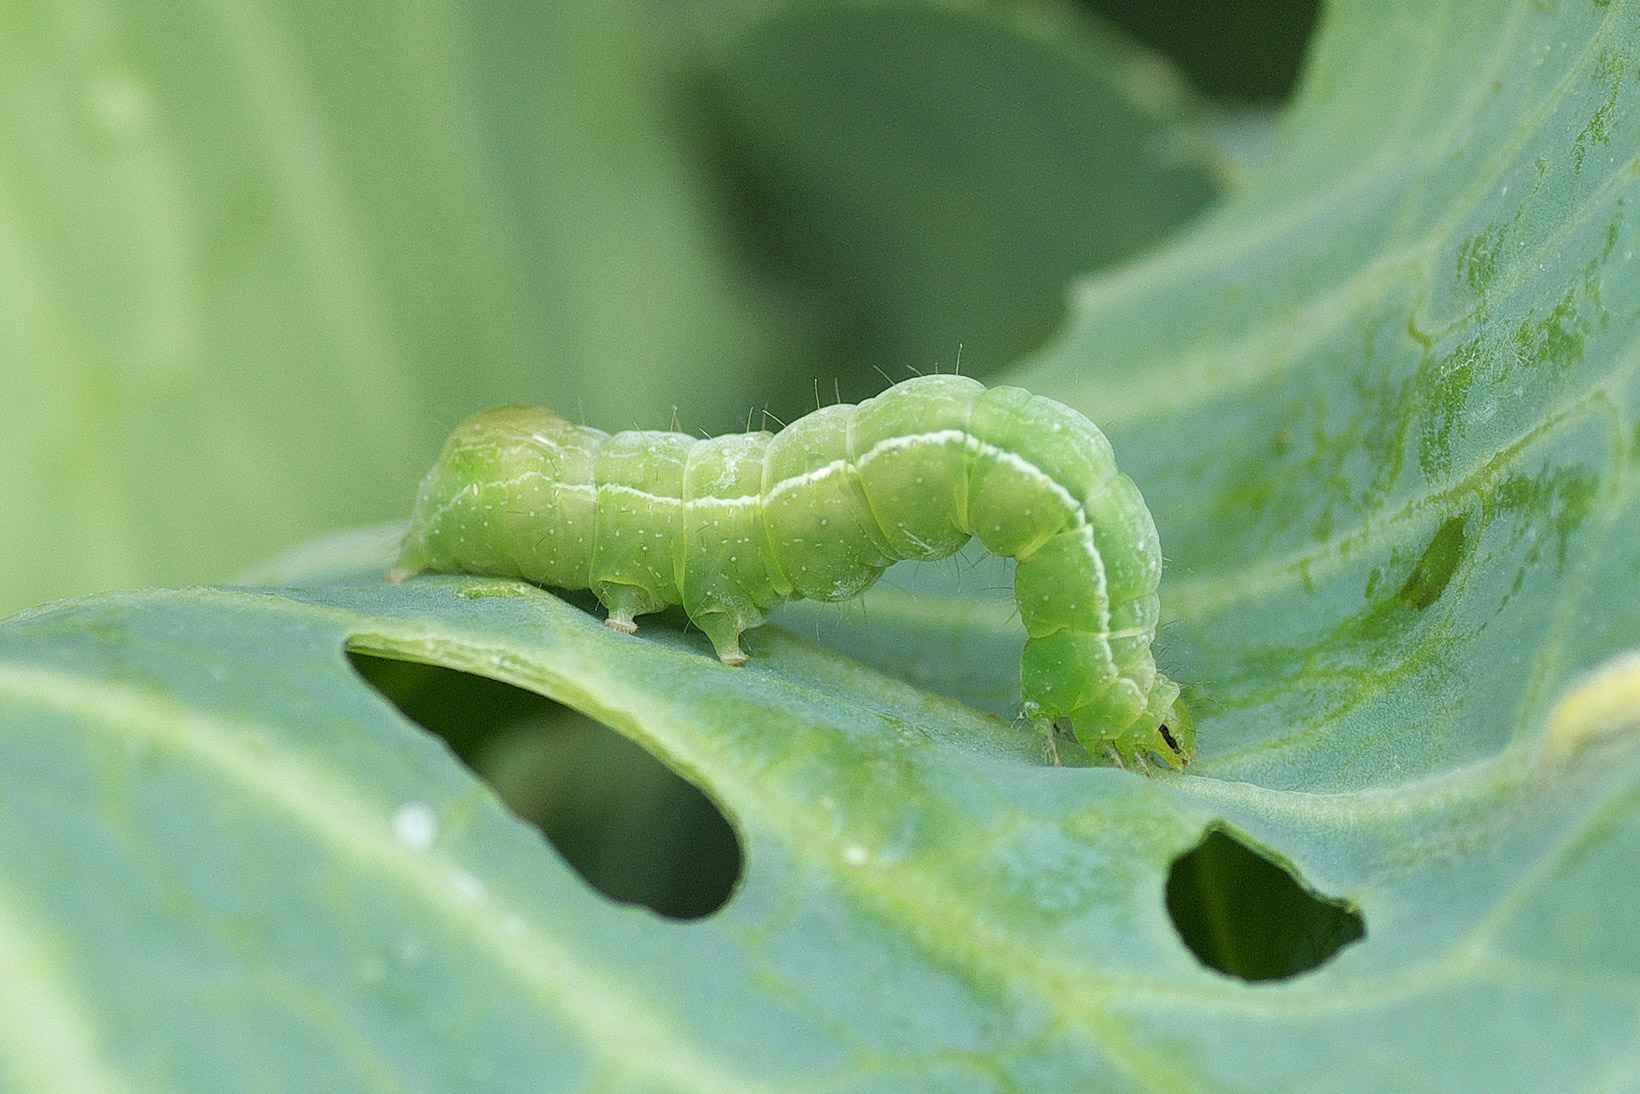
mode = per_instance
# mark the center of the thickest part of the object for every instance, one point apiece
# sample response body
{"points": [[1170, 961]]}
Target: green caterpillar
{"points": [[731, 526]]}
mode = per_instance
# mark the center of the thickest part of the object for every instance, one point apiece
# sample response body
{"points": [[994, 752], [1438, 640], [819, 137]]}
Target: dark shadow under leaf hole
{"points": [[632, 827], [1242, 914]]}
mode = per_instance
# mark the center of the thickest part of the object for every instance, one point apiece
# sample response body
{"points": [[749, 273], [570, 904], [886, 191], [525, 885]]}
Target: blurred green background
{"points": [[257, 257]]}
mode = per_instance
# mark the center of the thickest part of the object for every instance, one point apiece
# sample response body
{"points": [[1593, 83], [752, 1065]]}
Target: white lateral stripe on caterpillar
{"points": [[939, 437]]}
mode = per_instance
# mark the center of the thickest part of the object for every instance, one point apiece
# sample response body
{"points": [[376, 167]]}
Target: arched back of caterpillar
{"points": [[730, 526]]}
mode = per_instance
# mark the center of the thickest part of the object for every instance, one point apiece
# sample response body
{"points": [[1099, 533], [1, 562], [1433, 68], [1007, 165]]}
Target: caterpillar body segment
{"points": [[731, 526]]}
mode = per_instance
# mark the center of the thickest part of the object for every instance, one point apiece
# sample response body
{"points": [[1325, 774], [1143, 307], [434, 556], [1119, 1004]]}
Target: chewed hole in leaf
{"points": [[633, 828], [1244, 915]]}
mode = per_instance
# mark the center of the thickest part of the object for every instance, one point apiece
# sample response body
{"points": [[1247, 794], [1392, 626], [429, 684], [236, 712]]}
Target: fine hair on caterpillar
{"points": [[730, 526]]}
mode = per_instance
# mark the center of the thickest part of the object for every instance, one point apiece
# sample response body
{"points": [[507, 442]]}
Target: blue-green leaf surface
{"points": [[1383, 404]]}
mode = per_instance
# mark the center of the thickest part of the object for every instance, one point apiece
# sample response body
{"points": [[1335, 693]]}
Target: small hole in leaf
{"points": [[1242, 914], [631, 826]]}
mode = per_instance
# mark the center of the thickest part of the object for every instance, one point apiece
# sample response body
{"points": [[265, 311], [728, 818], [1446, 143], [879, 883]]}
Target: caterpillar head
{"points": [[1174, 738], [1156, 723], [1165, 729]]}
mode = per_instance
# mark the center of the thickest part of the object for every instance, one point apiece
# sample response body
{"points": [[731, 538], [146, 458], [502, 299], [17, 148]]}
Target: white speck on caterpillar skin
{"points": [[663, 519]]}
